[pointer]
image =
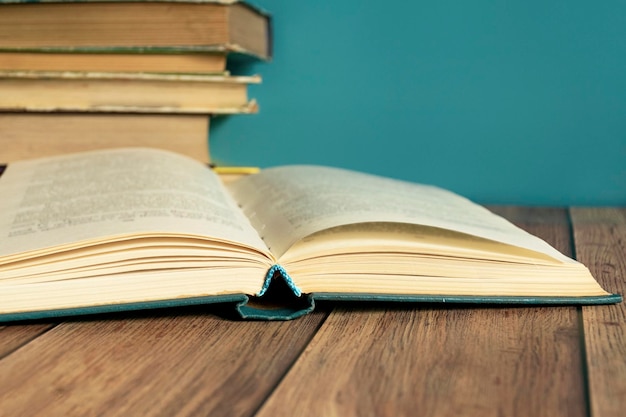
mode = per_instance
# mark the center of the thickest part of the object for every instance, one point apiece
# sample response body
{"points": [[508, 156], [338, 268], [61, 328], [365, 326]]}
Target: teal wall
{"points": [[520, 101]]}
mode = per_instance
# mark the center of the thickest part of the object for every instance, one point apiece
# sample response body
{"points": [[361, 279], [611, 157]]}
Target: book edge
{"points": [[119, 308], [470, 299], [246, 311]]}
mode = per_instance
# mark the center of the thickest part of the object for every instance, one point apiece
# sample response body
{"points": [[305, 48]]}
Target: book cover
{"points": [[47, 91], [136, 26], [104, 61], [27, 135]]}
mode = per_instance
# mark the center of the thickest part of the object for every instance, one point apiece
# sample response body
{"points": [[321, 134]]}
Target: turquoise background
{"points": [[520, 101]]}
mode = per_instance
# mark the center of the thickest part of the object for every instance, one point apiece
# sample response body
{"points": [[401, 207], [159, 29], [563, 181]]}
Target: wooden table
{"points": [[344, 359]]}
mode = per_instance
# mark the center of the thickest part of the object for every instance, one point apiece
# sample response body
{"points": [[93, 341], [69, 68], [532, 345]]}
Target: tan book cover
{"points": [[41, 91], [135, 26], [35, 135]]}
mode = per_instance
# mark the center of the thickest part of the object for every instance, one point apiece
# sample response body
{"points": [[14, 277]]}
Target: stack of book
{"points": [[89, 74]]}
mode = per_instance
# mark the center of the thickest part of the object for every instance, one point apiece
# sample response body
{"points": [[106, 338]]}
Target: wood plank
{"points": [[189, 365], [12, 337], [600, 237], [445, 360]]}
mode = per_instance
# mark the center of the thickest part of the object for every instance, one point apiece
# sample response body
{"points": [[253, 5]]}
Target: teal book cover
{"points": [[281, 300]]}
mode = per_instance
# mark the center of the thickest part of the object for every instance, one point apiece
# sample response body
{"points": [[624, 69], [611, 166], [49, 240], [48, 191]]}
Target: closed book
{"points": [[135, 25], [173, 63], [40, 91], [25, 135]]}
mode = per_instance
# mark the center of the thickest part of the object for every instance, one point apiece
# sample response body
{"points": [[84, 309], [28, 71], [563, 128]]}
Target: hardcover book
{"points": [[172, 63], [38, 91], [25, 135], [138, 228], [225, 26]]}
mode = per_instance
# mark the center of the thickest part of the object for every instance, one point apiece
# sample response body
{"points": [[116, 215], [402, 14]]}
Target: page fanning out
{"points": [[96, 195], [286, 204]]}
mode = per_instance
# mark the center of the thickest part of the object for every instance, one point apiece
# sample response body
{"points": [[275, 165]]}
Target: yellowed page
{"points": [[287, 204], [424, 241], [94, 196]]}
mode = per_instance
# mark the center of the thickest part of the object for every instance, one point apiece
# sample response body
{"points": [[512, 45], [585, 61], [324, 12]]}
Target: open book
{"points": [[139, 228]]}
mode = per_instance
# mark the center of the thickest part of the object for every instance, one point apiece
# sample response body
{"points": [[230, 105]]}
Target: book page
{"points": [[95, 196], [286, 204]]}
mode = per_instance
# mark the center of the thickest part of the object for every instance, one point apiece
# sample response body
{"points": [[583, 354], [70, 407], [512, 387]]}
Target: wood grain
{"points": [[600, 237], [190, 365], [499, 361], [14, 336]]}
